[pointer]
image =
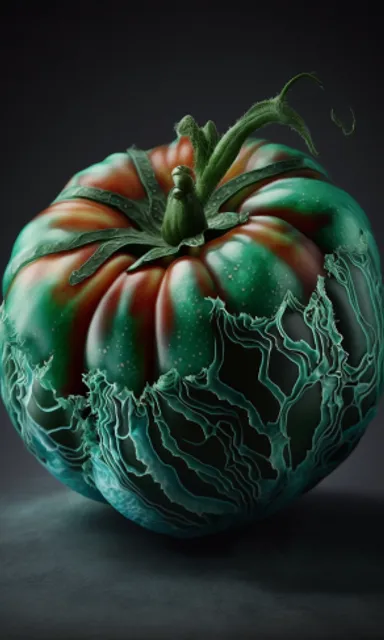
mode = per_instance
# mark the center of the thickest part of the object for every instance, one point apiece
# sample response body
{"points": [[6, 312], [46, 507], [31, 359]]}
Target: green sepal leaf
{"points": [[241, 182], [134, 210], [276, 110], [203, 139], [227, 220], [156, 197], [201, 142], [211, 135], [102, 253], [106, 250], [146, 214], [195, 241], [167, 250], [72, 241], [153, 254], [111, 240]]}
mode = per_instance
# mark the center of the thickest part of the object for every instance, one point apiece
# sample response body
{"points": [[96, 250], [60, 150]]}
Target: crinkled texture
{"points": [[195, 454]]}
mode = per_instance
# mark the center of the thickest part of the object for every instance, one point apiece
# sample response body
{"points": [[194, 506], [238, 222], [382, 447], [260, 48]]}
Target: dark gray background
{"points": [[76, 86]]}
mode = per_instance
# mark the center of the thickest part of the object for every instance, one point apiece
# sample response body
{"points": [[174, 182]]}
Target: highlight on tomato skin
{"points": [[194, 334]]}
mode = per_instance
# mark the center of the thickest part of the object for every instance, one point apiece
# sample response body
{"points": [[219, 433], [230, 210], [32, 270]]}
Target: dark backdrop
{"points": [[77, 85]]}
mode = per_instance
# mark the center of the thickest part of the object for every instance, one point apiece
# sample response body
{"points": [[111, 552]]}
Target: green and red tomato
{"points": [[194, 334]]}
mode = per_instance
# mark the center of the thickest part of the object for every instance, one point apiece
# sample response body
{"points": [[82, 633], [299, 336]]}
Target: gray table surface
{"points": [[73, 568]]}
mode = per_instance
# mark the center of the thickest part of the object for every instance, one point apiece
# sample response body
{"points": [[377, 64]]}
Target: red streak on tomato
{"points": [[119, 176], [178, 153], [67, 261], [84, 215], [166, 157], [165, 302], [307, 223], [80, 214], [218, 291], [233, 203], [109, 305], [142, 308], [300, 253], [159, 162], [85, 298], [164, 316], [205, 281], [242, 160]]}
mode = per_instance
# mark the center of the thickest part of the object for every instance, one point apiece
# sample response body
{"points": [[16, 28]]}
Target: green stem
{"points": [[215, 160], [184, 214]]}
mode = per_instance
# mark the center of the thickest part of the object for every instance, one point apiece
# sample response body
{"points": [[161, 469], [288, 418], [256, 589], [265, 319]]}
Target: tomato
{"points": [[194, 334]]}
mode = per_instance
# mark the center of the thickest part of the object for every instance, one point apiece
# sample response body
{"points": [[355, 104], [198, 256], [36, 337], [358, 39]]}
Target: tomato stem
{"points": [[215, 155], [184, 215]]}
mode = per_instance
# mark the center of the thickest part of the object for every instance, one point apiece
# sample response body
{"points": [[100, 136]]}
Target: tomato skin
{"points": [[121, 335], [110, 339], [61, 314]]}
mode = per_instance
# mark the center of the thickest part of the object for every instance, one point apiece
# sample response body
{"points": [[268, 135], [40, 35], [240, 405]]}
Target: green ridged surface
{"points": [[284, 401]]}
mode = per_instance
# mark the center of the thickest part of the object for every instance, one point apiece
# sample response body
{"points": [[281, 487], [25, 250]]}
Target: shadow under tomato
{"points": [[76, 565], [325, 542]]}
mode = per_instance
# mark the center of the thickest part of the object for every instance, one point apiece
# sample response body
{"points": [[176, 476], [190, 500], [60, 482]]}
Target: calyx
{"points": [[164, 224]]}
